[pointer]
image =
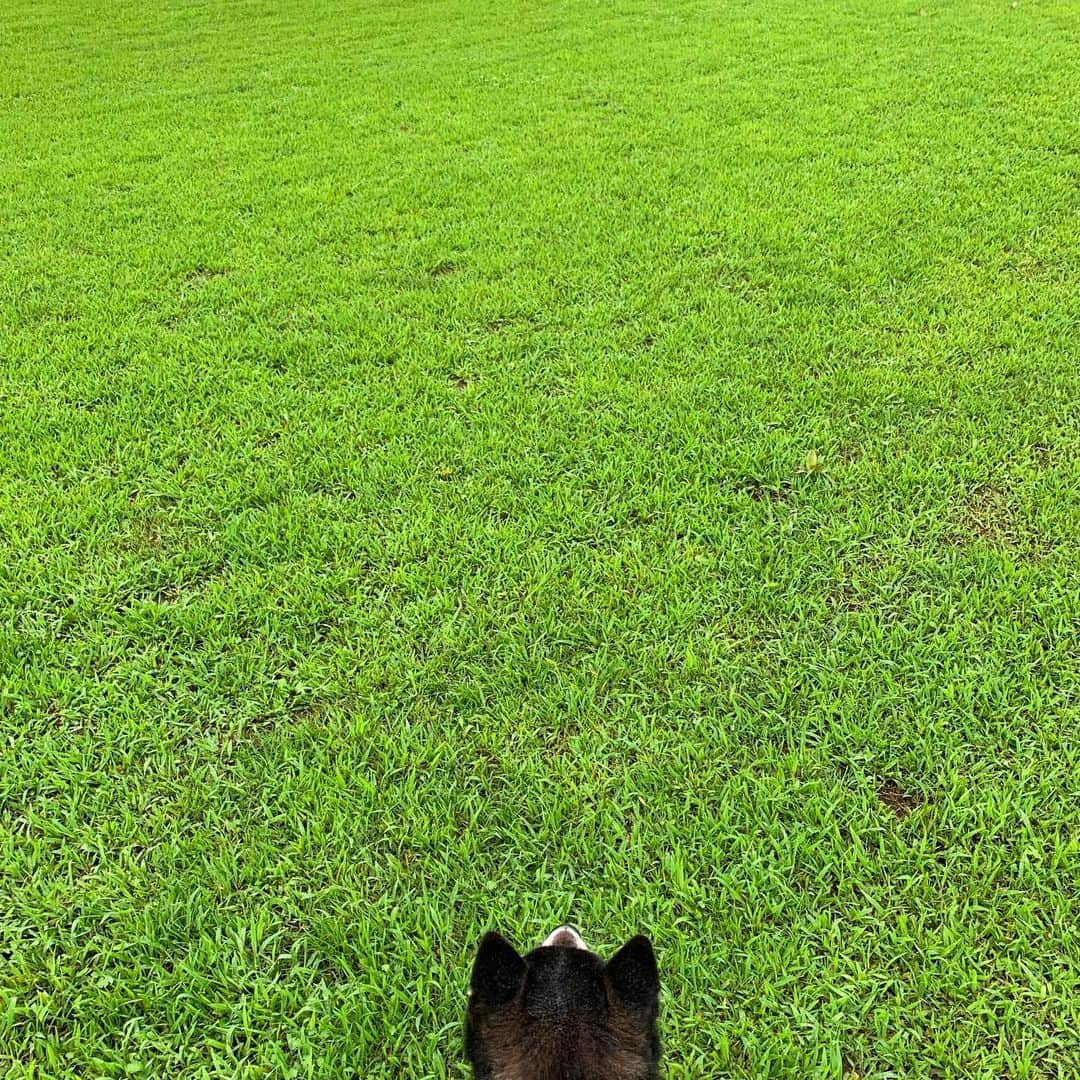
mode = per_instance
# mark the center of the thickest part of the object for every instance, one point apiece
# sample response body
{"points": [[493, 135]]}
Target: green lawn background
{"points": [[469, 464]]}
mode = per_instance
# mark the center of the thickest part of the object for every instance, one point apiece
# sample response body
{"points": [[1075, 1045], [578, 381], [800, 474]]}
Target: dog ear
{"points": [[632, 974], [498, 971]]}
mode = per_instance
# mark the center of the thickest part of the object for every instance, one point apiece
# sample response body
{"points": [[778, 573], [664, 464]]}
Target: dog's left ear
{"points": [[633, 975], [498, 971]]}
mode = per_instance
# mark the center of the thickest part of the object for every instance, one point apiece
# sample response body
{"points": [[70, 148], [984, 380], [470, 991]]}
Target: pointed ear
{"points": [[498, 971], [632, 973]]}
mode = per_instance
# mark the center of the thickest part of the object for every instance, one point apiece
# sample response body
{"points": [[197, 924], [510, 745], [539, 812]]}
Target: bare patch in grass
{"points": [[761, 491], [150, 532], [444, 269], [1042, 454], [898, 800], [201, 274], [988, 516], [522, 324], [168, 593]]}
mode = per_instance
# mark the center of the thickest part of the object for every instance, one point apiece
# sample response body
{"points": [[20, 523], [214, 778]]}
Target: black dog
{"points": [[561, 1013]]}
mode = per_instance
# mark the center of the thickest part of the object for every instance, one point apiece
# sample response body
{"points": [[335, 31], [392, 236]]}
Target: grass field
{"points": [[469, 464]]}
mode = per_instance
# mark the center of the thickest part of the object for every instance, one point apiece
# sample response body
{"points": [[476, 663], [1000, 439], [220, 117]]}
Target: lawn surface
{"points": [[469, 464]]}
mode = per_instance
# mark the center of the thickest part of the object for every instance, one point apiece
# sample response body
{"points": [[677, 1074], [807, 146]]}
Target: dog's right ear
{"points": [[632, 973], [498, 971]]}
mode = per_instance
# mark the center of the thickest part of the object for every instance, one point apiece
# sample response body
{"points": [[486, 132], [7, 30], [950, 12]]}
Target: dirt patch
{"points": [[762, 491], [199, 275], [988, 516], [150, 532], [459, 382], [444, 269], [167, 594], [898, 800], [848, 452], [1042, 454], [511, 324]]}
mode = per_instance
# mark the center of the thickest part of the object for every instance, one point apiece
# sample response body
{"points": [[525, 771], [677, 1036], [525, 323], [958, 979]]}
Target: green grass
{"points": [[409, 524]]}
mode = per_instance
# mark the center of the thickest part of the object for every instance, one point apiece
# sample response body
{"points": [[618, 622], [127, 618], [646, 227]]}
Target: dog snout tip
{"points": [[565, 937]]}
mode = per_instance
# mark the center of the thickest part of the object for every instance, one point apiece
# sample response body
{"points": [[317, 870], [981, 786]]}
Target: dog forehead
{"points": [[561, 982]]}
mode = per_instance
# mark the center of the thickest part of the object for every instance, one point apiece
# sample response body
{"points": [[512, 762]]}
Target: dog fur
{"points": [[561, 1013]]}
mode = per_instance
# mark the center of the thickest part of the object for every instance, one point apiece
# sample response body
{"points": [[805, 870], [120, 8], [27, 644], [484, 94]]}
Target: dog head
{"points": [[561, 1013]]}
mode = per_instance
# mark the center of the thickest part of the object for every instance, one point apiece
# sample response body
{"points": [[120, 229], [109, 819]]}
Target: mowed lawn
{"points": [[468, 465]]}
